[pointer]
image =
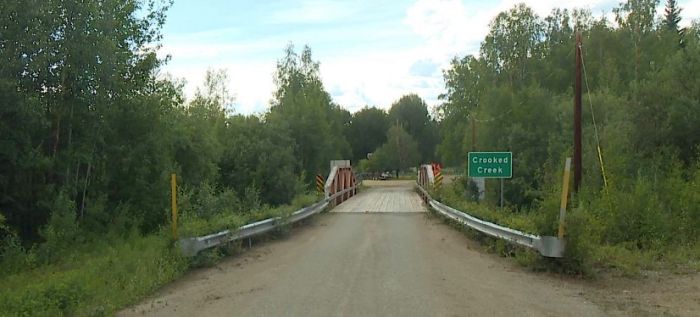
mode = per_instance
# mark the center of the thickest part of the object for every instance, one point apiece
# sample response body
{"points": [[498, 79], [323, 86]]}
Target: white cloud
{"points": [[691, 12], [197, 50], [447, 25], [363, 62], [250, 84]]}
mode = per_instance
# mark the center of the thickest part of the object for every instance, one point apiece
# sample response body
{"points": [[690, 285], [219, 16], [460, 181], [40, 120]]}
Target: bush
{"points": [[61, 233], [581, 243], [638, 224], [100, 279], [13, 257]]}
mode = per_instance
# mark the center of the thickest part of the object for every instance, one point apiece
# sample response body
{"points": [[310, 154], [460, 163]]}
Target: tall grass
{"points": [[96, 276], [639, 224]]}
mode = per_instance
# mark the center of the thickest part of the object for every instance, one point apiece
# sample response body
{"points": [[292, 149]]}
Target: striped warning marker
{"points": [[438, 179], [320, 184]]}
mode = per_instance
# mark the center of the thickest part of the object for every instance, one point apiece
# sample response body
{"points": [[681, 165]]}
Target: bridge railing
{"points": [[341, 177], [340, 187], [546, 245]]}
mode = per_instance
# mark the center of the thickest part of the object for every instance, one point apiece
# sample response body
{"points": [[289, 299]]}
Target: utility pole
{"points": [[577, 115]]}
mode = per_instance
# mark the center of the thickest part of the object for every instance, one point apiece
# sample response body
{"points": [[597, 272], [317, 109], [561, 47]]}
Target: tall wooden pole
{"points": [[577, 116]]}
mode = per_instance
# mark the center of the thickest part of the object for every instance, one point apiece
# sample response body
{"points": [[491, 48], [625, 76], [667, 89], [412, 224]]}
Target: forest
{"points": [[91, 130], [638, 206]]}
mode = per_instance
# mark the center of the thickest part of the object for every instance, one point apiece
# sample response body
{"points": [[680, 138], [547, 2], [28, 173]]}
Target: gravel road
{"points": [[376, 255]]}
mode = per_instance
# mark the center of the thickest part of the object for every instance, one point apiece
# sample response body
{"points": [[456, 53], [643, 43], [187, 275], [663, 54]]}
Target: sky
{"points": [[370, 52]]}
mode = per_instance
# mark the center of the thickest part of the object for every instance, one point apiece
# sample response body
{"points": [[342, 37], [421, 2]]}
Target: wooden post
{"points": [[173, 188], [564, 196], [501, 193]]}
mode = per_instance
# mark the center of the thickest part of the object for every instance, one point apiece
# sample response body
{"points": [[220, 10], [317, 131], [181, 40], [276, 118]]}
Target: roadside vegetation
{"points": [[90, 131], [519, 95]]}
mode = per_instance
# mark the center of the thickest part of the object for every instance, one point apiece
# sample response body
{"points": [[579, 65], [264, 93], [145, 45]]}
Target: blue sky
{"points": [[371, 52]]}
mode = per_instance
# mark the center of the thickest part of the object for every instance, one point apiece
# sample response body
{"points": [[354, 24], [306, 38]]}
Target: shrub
{"points": [[62, 231]]}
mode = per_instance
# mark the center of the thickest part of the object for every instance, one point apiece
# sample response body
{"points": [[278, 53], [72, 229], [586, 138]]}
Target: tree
{"points": [[636, 21], [398, 153], [636, 15], [340, 120], [367, 131], [512, 43], [260, 156], [303, 107], [672, 15], [465, 82], [67, 70], [411, 112], [198, 143]]}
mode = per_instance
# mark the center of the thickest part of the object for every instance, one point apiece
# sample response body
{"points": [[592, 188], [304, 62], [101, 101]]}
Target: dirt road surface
{"points": [[375, 255]]}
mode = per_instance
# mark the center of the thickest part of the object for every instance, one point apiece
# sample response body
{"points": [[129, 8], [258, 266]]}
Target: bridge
{"points": [[376, 252]]}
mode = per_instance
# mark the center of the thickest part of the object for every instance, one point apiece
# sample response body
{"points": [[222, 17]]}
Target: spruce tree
{"points": [[672, 15]]}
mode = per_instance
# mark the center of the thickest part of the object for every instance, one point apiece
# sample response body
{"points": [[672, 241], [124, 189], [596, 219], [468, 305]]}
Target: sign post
{"points": [[501, 193], [437, 170], [491, 165], [320, 184]]}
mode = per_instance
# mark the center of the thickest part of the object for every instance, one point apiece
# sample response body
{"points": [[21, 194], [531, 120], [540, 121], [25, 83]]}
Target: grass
{"points": [[100, 277], [96, 280], [588, 252], [195, 226]]}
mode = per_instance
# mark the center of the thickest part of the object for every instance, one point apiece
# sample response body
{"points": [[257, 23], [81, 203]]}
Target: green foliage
{"points": [[13, 256], [90, 134], [61, 232], [516, 96], [66, 91], [367, 131], [512, 44], [672, 15], [398, 153], [411, 113], [465, 84], [132, 268], [633, 227], [303, 109], [260, 154]]}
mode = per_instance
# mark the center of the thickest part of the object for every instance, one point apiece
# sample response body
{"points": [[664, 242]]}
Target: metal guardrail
{"points": [[192, 246], [547, 246]]}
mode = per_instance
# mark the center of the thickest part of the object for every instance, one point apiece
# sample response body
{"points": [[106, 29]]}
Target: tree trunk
{"points": [[87, 181]]}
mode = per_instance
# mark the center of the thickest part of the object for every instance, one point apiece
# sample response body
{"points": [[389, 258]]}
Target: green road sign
{"points": [[490, 164]]}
